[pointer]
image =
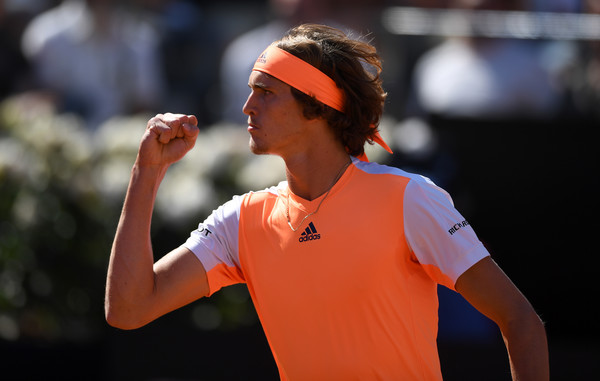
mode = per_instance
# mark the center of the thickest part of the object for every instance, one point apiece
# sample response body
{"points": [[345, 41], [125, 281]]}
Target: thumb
{"points": [[192, 120], [190, 130], [190, 133], [190, 127]]}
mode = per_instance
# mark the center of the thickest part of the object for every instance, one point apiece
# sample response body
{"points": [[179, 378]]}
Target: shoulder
{"points": [[252, 199], [416, 190], [262, 195], [374, 168], [415, 180]]}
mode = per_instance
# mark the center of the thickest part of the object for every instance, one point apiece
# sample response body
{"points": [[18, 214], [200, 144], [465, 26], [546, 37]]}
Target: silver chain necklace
{"points": [[287, 209]]}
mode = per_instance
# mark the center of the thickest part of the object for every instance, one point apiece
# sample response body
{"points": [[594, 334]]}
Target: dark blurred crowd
{"points": [[101, 58]]}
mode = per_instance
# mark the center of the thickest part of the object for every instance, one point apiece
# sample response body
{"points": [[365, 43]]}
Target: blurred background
{"points": [[496, 101]]}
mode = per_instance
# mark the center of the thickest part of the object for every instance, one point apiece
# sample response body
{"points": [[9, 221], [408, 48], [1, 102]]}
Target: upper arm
{"points": [[180, 278], [490, 291], [438, 234]]}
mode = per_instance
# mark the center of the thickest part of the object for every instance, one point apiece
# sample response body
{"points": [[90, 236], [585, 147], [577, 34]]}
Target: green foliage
{"points": [[61, 190]]}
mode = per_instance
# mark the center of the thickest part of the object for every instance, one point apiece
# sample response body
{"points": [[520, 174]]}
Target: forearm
{"points": [[527, 349], [130, 278], [489, 290]]}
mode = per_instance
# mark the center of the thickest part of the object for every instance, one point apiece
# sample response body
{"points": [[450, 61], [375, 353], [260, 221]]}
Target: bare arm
{"points": [[137, 290], [489, 290]]}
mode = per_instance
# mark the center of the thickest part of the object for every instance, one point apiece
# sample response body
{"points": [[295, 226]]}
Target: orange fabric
{"points": [[300, 75], [379, 140], [222, 275], [381, 325], [311, 81]]}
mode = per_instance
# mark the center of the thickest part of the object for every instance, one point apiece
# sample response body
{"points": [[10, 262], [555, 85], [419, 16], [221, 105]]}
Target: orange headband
{"points": [[300, 75], [303, 76]]}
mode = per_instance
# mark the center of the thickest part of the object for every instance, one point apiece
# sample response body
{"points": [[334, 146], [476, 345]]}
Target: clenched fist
{"points": [[167, 139]]}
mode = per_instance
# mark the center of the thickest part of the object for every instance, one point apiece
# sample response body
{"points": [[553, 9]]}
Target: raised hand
{"points": [[167, 139]]}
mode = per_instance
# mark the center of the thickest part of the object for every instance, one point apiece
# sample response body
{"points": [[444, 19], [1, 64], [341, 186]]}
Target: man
{"points": [[342, 261]]}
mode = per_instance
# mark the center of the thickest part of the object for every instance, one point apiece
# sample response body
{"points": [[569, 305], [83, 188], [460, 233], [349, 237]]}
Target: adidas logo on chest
{"points": [[309, 234]]}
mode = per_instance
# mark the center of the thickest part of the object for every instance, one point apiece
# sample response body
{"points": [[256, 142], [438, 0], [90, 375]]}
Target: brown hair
{"points": [[355, 67]]}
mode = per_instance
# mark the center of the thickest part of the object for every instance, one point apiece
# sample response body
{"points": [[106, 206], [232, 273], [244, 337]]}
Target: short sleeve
{"points": [[439, 236], [215, 242]]}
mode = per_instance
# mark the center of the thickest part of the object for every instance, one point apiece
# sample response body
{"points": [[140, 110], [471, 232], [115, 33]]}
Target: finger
{"points": [[171, 126], [190, 131], [164, 134], [189, 127], [160, 130], [180, 131], [156, 119], [177, 122], [192, 120]]}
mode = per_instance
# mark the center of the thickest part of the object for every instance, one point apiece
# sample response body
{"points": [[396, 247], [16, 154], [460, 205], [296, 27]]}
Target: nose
{"points": [[248, 107]]}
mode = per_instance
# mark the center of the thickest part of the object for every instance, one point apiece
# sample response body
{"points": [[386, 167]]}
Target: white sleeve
{"points": [[437, 233], [215, 241]]}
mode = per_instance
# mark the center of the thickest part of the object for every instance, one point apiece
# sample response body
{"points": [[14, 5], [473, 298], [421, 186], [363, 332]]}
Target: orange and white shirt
{"points": [[352, 294]]}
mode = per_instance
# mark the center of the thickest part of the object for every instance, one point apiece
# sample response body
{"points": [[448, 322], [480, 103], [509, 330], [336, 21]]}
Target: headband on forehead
{"points": [[303, 76], [300, 75]]}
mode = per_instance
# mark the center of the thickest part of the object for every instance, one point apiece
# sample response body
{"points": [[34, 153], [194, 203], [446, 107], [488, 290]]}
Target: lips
{"points": [[252, 126]]}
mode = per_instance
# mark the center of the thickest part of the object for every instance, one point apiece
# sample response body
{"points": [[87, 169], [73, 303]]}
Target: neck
{"points": [[311, 176]]}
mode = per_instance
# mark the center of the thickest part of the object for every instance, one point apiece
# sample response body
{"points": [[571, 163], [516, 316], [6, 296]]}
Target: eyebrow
{"points": [[259, 85], [268, 83]]}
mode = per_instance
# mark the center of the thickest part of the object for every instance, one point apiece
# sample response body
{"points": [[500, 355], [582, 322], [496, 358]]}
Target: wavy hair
{"points": [[355, 67]]}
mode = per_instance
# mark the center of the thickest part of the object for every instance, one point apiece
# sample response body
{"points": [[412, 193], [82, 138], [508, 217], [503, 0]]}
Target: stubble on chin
{"points": [[255, 148]]}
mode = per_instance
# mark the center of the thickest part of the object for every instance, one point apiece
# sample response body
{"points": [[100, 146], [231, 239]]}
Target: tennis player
{"points": [[343, 259]]}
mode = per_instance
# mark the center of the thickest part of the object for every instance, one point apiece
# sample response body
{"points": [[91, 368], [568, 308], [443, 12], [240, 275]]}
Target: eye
{"points": [[261, 89]]}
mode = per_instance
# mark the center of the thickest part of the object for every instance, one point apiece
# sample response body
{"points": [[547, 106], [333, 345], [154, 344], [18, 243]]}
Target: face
{"points": [[275, 120]]}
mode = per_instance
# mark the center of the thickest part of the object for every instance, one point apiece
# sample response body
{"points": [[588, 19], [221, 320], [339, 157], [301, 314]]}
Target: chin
{"points": [[256, 148]]}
